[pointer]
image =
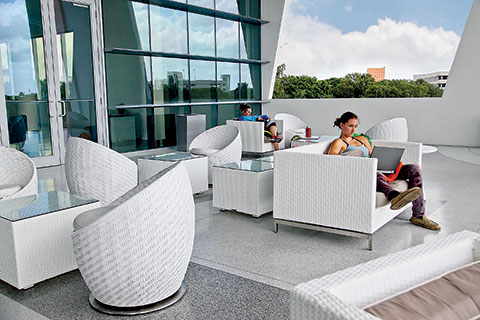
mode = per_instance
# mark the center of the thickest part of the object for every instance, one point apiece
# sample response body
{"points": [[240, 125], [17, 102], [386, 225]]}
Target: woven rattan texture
{"points": [[138, 252], [391, 130], [291, 124], [18, 169], [96, 172], [224, 138], [253, 137], [338, 295]]}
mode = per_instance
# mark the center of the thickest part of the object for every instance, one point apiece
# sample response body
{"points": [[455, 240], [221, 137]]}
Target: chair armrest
{"points": [[324, 190], [413, 150]]}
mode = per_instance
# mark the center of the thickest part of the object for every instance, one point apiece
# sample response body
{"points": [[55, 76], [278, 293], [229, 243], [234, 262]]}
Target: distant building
{"points": [[377, 73], [438, 79]]}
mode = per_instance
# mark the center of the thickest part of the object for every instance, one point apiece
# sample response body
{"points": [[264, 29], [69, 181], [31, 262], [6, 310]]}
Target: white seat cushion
{"points": [[87, 217], [399, 185], [203, 152], [8, 189]]}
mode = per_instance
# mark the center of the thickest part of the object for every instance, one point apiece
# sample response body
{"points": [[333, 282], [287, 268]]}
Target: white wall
{"points": [[453, 119]]}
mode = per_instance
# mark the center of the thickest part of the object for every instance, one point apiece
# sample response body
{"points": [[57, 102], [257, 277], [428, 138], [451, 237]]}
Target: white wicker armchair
{"points": [[292, 125], [134, 253], [395, 129], [344, 294], [96, 172], [221, 144], [253, 137], [18, 174], [316, 200]]}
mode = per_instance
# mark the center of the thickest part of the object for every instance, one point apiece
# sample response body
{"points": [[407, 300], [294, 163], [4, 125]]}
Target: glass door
{"points": [[51, 57]]}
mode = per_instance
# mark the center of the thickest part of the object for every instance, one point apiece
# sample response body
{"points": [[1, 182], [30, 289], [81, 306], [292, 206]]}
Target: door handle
{"points": [[64, 108], [51, 115]]}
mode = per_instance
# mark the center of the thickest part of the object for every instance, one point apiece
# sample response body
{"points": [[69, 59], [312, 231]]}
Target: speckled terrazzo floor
{"points": [[211, 294]]}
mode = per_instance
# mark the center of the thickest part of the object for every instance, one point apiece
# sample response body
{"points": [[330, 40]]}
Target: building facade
{"points": [[438, 79], [377, 73], [118, 71]]}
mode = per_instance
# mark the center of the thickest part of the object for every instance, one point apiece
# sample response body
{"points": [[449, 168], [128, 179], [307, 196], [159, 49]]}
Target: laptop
{"points": [[388, 158]]}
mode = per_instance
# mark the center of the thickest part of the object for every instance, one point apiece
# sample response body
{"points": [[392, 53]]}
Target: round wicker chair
{"points": [[221, 144], [134, 253], [292, 126], [391, 130], [97, 172], [18, 174]]}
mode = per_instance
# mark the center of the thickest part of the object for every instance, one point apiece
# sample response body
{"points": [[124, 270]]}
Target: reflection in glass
{"points": [[165, 128], [250, 8], [227, 80], [210, 111], [75, 65], [201, 35], [128, 79], [24, 77], [125, 25], [227, 38], [227, 6], [202, 3], [249, 41], [169, 30], [251, 82], [203, 85], [170, 80], [227, 112]]}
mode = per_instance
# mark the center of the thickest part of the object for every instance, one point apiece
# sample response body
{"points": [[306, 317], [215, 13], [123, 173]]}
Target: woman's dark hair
{"points": [[344, 118], [244, 106]]}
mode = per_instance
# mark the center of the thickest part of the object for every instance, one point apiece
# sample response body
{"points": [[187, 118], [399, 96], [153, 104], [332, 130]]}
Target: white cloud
{"points": [[312, 47], [348, 8]]}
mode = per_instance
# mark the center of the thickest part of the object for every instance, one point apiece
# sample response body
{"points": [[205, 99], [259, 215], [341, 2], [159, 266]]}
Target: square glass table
{"points": [[197, 167], [36, 236], [246, 187]]}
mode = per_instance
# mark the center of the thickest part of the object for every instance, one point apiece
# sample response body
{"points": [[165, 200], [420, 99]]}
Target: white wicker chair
{"points": [[344, 294], [292, 125], [134, 253], [18, 174], [221, 144], [316, 201], [96, 172], [395, 129], [253, 137]]}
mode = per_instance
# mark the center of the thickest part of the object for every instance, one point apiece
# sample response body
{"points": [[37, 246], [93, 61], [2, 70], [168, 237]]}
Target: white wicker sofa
{"points": [[344, 294], [252, 133], [310, 187]]}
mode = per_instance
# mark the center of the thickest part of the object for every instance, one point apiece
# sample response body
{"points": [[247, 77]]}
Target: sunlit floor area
{"points": [[241, 269]]}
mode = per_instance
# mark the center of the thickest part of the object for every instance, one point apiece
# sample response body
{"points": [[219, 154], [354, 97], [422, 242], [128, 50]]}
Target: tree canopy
{"points": [[353, 85]]}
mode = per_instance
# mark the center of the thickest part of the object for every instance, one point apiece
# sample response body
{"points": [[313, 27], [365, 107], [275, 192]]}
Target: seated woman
{"points": [[348, 123], [270, 126]]}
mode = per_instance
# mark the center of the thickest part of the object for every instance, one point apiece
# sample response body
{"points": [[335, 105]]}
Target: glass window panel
{"points": [[250, 41], [227, 39], [169, 30], [125, 25], [227, 6], [227, 81], [227, 112], [128, 129], [170, 80], [24, 77], [128, 79], [202, 3], [210, 111], [201, 35], [251, 82], [165, 128], [202, 82]]}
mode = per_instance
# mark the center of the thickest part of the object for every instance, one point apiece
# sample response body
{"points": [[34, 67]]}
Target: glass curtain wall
{"points": [[175, 57], [24, 77]]}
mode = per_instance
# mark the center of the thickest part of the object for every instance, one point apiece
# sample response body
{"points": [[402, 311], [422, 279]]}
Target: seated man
{"points": [[270, 126]]}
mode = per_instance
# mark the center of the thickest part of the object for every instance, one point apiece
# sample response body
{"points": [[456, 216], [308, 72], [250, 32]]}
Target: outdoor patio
{"points": [[241, 269]]}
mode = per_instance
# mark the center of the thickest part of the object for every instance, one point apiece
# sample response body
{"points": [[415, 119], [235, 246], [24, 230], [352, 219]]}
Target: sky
{"points": [[330, 38]]}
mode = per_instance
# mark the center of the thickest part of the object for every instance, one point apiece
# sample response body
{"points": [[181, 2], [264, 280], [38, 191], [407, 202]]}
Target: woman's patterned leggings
{"points": [[413, 175]]}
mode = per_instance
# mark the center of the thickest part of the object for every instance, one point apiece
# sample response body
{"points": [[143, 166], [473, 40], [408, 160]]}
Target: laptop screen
{"points": [[388, 158]]}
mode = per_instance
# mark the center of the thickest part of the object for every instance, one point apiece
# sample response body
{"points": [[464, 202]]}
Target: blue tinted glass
{"points": [[210, 111], [201, 35], [169, 30], [170, 80], [228, 81], [227, 6], [202, 3], [202, 82], [249, 41], [251, 82], [227, 39]]}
